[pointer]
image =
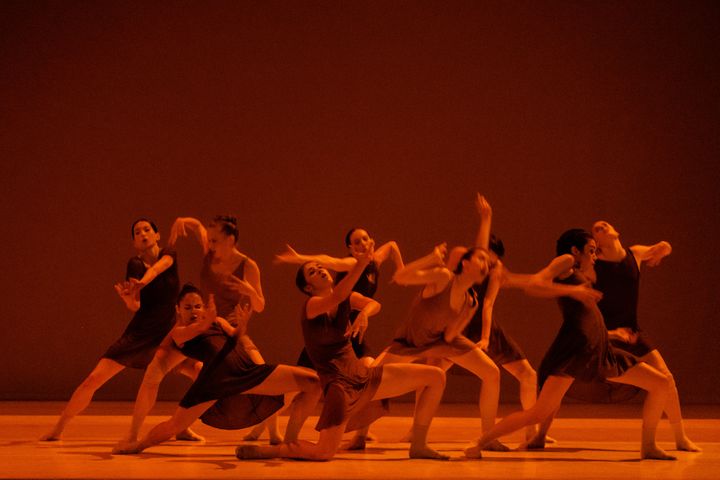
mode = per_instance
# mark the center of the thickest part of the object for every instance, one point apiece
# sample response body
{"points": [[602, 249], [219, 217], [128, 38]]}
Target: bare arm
{"points": [[318, 305], [183, 333], [368, 307], [653, 254], [332, 263], [179, 229], [156, 269], [488, 304], [251, 285], [129, 294], [389, 250], [485, 212], [541, 284]]}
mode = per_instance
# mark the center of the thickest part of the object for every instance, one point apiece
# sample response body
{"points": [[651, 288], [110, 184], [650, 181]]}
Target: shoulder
{"points": [[169, 252]]}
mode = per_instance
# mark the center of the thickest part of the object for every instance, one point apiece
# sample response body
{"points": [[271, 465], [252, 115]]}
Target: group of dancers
{"points": [[202, 333]]}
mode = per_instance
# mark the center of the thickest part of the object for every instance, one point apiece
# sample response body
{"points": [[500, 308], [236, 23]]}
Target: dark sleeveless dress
{"points": [[502, 348], [619, 283], [422, 333], [219, 285], [366, 286], [348, 384], [227, 372], [582, 350], [153, 320]]}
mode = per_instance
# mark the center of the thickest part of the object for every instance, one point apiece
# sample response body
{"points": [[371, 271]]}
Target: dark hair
{"points": [[186, 290], [466, 256], [227, 225], [142, 219], [496, 245], [300, 279], [575, 237], [349, 234]]}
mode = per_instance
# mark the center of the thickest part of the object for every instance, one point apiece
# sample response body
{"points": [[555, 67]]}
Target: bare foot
{"points": [[126, 448], [369, 437], [53, 436], [189, 436], [276, 439], [474, 452], [356, 443], [251, 437], [496, 446], [253, 452], [550, 440], [423, 451], [655, 453], [535, 443], [687, 445]]}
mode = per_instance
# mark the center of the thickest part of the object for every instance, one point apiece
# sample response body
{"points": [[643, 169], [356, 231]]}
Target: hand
{"points": [[241, 316], [178, 230], [440, 251], [483, 207], [288, 256], [585, 294], [357, 329], [124, 289], [484, 343], [136, 283], [238, 285]]}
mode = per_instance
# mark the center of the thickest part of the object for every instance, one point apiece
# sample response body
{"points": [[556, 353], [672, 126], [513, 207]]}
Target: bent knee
{"points": [[436, 376], [491, 374], [307, 382]]}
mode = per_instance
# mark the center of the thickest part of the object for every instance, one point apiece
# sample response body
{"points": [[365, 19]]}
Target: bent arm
{"points": [[252, 287], [318, 305], [652, 254], [178, 229], [389, 250]]}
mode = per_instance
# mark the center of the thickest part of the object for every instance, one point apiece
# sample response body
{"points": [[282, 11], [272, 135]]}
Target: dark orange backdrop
{"points": [[307, 118]]}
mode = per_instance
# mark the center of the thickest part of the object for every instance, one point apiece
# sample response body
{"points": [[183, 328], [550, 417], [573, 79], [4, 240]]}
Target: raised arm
{"points": [[367, 308], [250, 286], [653, 254], [332, 263], [389, 250], [318, 305], [494, 282], [484, 210], [151, 273], [180, 227], [428, 270]]}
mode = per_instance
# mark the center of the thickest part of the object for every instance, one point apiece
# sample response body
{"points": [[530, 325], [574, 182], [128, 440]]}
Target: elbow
{"points": [[259, 305], [667, 247]]}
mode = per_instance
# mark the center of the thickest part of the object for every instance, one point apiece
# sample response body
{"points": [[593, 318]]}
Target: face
{"points": [[219, 241], [144, 236], [317, 277], [478, 265], [190, 308], [585, 260], [603, 231], [359, 242]]}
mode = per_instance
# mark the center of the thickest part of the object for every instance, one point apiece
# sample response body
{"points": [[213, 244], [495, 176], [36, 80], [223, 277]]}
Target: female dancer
{"points": [[618, 278], [356, 241], [582, 351], [150, 290], [349, 384], [232, 391], [433, 329], [221, 257]]}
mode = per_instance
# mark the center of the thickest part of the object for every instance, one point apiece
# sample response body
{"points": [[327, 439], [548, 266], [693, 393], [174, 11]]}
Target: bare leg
{"points": [[549, 401], [646, 377], [672, 407], [103, 371], [181, 419], [435, 362], [287, 379], [363, 435], [323, 450], [190, 368], [481, 365], [541, 438], [527, 378]]}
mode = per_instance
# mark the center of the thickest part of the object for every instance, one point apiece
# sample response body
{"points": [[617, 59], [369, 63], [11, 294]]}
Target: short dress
{"points": [[619, 283], [422, 333], [227, 372], [582, 350], [365, 286], [502, 348], [347, 383], [153, 320]]}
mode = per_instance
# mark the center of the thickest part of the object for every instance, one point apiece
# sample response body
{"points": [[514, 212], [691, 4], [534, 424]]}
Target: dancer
{"points": [[582, 351], [231, 276], [350, 385], [618, 278], [150, 290], [232, 391]]}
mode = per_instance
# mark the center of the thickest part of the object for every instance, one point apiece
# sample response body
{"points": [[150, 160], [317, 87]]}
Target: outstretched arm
{"points": [[151, 273], [318, 305], [250, 286], [653, 254], [183, 333], [485, 212], [332, 263], [180, 227], [541, 284]]}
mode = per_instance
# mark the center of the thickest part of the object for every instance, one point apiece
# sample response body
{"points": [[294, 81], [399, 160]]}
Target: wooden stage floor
{"points": [[594, 442]]}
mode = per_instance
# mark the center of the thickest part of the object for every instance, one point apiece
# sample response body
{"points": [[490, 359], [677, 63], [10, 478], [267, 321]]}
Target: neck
{"points": [[150, 254], [464, 281], [611, 249]]}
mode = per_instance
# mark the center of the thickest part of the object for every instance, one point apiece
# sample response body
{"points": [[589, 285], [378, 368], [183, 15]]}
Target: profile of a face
{"points": [[478, 264], [218, 241], [585, 259]]}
